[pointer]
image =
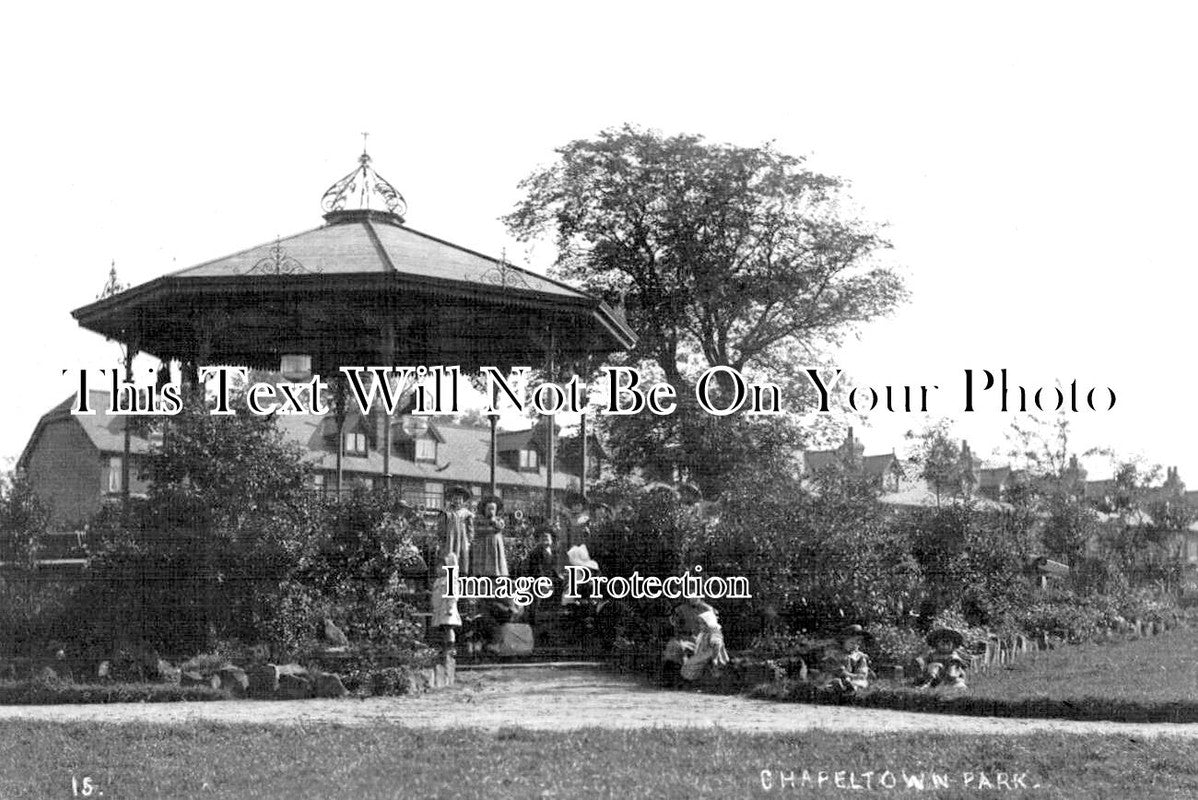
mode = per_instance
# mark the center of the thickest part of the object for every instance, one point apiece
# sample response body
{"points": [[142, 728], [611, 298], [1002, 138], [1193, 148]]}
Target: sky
{"points": [[1034, 164]]}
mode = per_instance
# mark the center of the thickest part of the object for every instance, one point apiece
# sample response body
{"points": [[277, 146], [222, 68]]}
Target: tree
{"points": [[226, 521], [721, 255], [941, 463], [23, 520]]}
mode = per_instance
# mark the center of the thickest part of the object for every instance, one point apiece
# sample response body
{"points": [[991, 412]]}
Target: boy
{"points": [[848, 668]]}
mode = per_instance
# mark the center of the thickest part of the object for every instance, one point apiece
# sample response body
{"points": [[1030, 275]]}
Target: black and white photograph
{"points": [[638, 400]]}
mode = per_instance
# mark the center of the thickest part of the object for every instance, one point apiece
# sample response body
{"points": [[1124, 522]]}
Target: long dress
{"points": [[445, 604], [709, 648], [489, 555], [457, 532]]}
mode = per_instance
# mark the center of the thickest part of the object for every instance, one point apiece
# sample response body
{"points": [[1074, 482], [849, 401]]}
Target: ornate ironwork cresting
{"points": [[362, 186], [278, 262], [504, 275]]}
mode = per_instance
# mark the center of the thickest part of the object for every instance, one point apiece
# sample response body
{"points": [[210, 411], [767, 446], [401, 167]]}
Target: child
{"points": [[944, 665], [848, 668], [445, 603], [677, 651], [709, 644]]}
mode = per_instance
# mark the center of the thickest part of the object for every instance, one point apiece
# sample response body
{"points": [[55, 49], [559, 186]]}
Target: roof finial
{"points": [[113, 286], [363, 183]]}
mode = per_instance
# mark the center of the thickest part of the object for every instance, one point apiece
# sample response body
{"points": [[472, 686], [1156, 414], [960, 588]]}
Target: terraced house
{"points": [[74, 463]]}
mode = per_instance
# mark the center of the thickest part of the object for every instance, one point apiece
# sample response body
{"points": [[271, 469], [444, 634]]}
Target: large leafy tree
{"points": [[721, 255], [732, 254]]}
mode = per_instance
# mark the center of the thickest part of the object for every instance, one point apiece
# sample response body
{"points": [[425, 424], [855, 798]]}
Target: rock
{"points": [[104, 671], [166, 672], [192, 678], [47, 675], [263, 680], [329, 685], [419, 682], [333, 635], [293, 687], [756, 673], [234, 679], [293, 669]]}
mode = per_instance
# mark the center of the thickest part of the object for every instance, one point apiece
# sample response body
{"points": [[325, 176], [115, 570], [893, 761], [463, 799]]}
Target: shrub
{"points": [[891, 644]]}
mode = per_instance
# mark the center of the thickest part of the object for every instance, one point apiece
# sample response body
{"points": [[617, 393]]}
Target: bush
{"points": [[891, 644], [815, 560], [57, 692]]}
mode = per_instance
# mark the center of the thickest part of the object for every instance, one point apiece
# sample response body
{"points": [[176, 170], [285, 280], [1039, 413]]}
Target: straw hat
{"points": [[491, 499], [854, 630], [578, 556]]}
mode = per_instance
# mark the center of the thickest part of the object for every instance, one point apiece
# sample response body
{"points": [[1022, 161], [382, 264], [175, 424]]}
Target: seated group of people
{"points": [[697, 648], [846, 669]]}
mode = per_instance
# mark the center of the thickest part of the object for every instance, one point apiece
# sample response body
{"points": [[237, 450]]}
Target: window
{"points": [[426, 449], [355, 443], [434, 494], [114, 474], [528, 459], [318, 482]]}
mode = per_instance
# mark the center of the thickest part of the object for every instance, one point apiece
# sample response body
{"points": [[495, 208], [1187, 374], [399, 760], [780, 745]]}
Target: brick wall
{"points": [[67, 472], [70, 475]]}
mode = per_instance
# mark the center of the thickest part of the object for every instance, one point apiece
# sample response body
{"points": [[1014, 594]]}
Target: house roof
{"points": [[922, 496], [514, 440], [814, 460], [462, 457], [992, 476], [105, 431], [880, 464]]}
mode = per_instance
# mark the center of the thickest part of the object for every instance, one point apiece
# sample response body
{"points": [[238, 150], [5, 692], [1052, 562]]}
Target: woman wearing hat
{"points": [[489, 555], [457, 527], [943, 665], [848, 667], [709, 644]]}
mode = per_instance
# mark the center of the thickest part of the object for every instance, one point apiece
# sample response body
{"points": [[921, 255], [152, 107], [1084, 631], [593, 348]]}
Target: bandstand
{"points": [[362, 289]]}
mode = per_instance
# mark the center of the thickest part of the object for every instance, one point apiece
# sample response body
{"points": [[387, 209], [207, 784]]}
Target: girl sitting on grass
{"points": [[944, 665]]}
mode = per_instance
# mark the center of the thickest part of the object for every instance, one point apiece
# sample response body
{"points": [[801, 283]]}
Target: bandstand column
{"points": [[389, 362], [126, 453], [582, 473], [550, 442], [493, 418]]}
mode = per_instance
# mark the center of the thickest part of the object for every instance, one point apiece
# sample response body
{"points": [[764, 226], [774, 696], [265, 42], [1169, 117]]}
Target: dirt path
{"points": [[550, 699]]}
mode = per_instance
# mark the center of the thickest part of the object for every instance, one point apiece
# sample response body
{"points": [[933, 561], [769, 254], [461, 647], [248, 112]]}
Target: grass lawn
{"points": [[1157, 670], [1144, 680], [41, 759]]}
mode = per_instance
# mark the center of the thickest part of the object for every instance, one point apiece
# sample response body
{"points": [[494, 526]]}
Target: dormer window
{"points": [[426, 450], [355, 443], [528, 459]]}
